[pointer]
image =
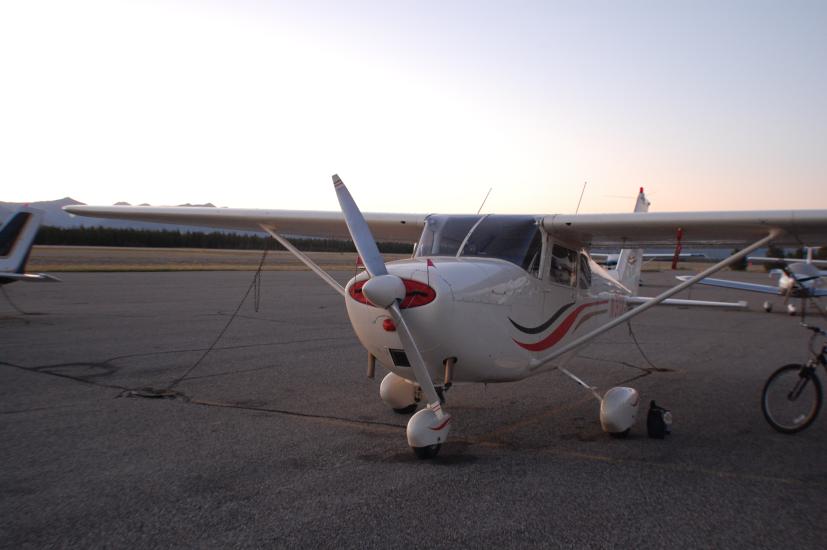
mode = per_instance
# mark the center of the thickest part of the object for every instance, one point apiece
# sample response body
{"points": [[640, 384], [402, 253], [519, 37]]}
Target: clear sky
{"points": [[419, 106]]}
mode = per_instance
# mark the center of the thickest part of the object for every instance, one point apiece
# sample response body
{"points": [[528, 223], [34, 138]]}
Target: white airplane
{"points": [[797, 278], [488, 298], [16, 240]]}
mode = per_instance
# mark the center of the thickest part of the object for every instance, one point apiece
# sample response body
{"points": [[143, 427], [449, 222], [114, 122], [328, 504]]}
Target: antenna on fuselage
{"points": [[485, 199], [576, 210]]}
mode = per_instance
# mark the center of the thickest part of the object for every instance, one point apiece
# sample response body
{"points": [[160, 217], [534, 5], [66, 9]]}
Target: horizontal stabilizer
{"points": [[634, 300], [737, 285]]}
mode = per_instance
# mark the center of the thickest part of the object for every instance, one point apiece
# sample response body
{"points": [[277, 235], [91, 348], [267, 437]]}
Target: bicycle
{"points": [[792, 395]]}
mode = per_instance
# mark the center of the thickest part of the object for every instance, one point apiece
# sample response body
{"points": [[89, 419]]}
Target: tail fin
{"points": [[16, 239], [627, 271]]}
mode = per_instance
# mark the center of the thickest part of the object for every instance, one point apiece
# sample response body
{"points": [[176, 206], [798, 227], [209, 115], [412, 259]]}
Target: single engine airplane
{"points": [[493, 298], [16, 241], [797, 278]]}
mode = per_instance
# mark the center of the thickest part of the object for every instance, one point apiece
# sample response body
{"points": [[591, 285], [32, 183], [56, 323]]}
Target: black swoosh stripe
{"points": [[540, 328]]}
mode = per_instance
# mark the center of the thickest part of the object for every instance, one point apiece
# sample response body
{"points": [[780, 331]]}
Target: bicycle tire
{"points": [[788, 415]]}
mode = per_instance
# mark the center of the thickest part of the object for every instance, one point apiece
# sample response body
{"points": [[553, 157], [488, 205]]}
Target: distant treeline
{"points": [[103, 236]]}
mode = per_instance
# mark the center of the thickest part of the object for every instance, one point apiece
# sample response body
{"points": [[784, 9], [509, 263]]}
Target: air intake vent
{"points": [[399, 358]]}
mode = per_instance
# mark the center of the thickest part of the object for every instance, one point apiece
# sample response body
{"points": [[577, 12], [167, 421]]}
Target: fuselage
{"points": [[803, 275], [491, 313]]}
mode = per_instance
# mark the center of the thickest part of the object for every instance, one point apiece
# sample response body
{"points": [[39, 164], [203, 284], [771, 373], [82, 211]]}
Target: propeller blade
{"points": [[359, 231], [415, 358], [387, 291]]}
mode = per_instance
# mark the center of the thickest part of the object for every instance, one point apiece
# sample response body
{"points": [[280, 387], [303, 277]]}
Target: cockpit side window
{"points": [[443, 235], [563, 265]]}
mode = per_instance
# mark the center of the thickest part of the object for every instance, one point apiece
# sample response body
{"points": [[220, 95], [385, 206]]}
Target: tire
{"points": [[406, 410], [786, 413], [425, 453]]}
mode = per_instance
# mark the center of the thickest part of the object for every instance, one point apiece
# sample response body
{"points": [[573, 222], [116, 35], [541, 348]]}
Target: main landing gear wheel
{"points": [[428, 452], [767, 306], [399, 394]]}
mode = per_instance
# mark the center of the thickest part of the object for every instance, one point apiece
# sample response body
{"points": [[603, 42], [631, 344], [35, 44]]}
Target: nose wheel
{"points": [[426, 453], [427, 430]]}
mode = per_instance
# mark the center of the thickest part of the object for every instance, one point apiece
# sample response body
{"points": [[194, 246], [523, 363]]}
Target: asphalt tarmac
{"points": [[279, 440]]}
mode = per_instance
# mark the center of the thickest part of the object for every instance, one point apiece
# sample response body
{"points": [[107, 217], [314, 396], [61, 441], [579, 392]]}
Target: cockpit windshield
{"points": [[512, 238], [443, 235], [515, 239]]}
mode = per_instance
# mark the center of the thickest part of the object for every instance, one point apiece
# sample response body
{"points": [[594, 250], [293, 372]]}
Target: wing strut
{"points": [[306, 260], [540, 362]]}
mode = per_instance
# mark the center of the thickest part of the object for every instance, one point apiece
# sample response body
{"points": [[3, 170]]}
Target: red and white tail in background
{"points": [[627, 271]]}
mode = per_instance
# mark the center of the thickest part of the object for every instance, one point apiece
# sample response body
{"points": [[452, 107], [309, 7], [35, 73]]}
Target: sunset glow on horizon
{"points": [[419, 107]]}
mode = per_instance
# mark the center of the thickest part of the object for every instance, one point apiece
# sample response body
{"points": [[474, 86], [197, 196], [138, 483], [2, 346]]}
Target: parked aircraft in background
{"points": [[610, 260], [16, 240], [797, 278], [494, 298]]}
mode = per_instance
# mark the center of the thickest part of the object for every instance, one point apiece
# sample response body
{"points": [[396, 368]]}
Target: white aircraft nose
{"points": [[426, 308]]}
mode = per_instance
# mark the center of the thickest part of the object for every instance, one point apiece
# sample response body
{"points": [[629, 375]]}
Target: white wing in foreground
{"points": [[305, 223], [633, 230]]}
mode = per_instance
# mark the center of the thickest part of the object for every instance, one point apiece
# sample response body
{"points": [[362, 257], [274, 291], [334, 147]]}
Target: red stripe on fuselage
{"points": [[560, 331]]}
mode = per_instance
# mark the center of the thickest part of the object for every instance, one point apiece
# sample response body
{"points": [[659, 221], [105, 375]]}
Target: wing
{"points": [[610, 230], [699, 228], [724, 283], [28, 277], [668, 256], [308, 223], [770, 260]]}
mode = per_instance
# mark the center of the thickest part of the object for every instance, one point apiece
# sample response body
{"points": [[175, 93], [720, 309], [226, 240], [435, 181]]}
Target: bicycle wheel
{"points": [[791, 398]]}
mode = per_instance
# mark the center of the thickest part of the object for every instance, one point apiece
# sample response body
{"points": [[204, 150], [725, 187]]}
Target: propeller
{"points": [[385, 290]]}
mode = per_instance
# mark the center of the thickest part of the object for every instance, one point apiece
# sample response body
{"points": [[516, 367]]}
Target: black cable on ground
{"points": [[640, 349], [255, 284]]}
